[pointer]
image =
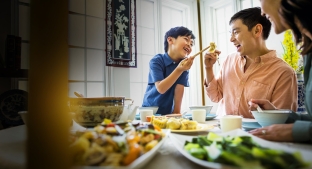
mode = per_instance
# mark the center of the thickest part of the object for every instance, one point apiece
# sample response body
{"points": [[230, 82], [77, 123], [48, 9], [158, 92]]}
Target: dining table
{"points": [[13, 149]]}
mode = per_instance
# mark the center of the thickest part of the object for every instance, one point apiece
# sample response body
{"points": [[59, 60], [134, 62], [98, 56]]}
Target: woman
{"points": [[294, 15]]}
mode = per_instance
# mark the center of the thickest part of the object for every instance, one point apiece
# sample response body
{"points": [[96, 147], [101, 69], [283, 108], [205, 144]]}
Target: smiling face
{"points": [[243, 39], [270, 10], [180, 47]]}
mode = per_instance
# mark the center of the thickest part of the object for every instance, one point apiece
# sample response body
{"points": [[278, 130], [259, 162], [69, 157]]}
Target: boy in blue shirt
{"points": [[168, 75]]}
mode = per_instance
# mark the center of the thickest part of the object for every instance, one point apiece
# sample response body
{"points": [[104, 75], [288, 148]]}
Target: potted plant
{"points": [[292, 57], [291, 54]]}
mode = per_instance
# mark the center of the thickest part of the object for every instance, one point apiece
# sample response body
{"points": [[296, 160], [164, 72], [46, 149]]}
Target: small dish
{"points": [[250, 125], [208, 116]]}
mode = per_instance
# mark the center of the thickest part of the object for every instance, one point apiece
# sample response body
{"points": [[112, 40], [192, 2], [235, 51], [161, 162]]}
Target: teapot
{"points": [[128, 111]]}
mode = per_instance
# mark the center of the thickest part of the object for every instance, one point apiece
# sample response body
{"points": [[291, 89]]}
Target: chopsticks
{"points": [[200, 52]]}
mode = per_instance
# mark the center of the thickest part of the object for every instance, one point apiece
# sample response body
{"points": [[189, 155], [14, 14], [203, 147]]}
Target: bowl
{"points": [[154, 108], [269, 117], [207, 108], [23, 114], [90, 112]]}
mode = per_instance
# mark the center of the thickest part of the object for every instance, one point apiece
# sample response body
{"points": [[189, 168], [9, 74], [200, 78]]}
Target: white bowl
{"points": [[269, 117], [154, 108], [23, 114], [207, 108]]}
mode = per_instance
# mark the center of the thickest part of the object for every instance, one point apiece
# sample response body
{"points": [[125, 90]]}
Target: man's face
{"points": [[270, 10], [242, 38], [182, 45]]}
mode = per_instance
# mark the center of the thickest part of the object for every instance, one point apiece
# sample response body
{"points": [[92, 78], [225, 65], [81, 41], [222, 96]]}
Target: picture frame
{"points": [[121, 33]]}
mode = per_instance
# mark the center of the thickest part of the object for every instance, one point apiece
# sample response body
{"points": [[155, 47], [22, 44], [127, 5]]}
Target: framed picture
{"points": [[121, 33]]}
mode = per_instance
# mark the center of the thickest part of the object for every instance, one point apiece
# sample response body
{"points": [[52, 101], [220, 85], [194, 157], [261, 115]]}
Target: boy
{"points": [[168, 75], [253, 71]]}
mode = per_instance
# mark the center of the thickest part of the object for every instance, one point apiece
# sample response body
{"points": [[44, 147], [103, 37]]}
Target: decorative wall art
{"points": [[121, 33]]}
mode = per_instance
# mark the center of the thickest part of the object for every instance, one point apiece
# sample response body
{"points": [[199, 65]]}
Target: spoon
{"points": [[259, 109]]}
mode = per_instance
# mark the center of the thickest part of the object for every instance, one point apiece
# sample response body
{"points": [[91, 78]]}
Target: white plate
{"points": [[179, 141], [200, 128], [139, 162]]}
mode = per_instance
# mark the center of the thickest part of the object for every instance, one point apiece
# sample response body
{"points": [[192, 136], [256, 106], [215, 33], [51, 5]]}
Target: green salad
{"points": [[243, 152]]}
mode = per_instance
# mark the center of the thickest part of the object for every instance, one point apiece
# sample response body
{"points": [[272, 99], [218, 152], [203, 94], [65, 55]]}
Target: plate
{"points": [[208, 116], [179, 140], [200, 127], [139, 162], [250, 125]]}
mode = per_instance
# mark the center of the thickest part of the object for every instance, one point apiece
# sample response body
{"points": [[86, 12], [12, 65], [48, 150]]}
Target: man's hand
{"points": [[263, 103], [211, 58]]}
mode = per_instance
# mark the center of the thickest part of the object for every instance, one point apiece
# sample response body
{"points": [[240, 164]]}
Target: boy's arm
{"points": [[178, 94], [164, 85]]}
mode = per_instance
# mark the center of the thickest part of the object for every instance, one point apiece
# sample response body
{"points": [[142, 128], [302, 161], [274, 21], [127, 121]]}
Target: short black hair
{"points": [[251, 17], [176, 32]]}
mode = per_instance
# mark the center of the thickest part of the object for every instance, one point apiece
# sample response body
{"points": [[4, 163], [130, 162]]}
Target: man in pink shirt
{"points": [[253, 71]]}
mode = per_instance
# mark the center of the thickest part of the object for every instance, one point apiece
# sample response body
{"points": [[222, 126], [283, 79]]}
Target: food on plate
{"points": [[188, 124], [113, 144], [160, 121], [172, 123], [241, 151]]}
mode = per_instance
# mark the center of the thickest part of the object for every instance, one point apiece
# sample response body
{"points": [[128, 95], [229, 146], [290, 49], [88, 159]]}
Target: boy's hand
{"points": [[211, 58], [186, 64]]}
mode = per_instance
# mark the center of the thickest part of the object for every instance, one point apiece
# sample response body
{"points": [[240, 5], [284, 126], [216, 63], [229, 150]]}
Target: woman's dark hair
{"points": [[251, 17], [176, 32], [300, 9]]}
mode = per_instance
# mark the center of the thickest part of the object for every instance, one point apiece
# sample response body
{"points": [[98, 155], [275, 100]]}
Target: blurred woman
{"points": [[294, 15]]}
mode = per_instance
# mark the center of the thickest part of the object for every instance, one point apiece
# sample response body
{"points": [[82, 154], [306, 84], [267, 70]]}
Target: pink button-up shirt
{"points": [[268, 77]]}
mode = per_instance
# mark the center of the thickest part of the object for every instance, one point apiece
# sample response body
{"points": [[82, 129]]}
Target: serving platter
{"points": [[139, 162], [179, 141]]}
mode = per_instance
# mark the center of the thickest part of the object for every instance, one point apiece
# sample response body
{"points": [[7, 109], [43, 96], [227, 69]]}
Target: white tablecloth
{"points": [[13, 142]]}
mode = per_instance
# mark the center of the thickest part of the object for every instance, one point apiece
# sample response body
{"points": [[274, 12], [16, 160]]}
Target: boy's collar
{"points": [[168, 60]]}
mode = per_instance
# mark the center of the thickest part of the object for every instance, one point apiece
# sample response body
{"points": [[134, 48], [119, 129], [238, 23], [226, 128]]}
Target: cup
{"points": [[144, 113], [199, 115], [230, 122]]}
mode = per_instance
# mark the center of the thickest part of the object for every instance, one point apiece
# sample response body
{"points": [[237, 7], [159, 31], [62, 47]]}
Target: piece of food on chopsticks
{"points": [[241, 151], [212, 49], [107, 145]]}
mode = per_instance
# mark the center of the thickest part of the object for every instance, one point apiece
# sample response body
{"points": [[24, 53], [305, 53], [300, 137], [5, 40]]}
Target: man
{"points": [[253, 71]]}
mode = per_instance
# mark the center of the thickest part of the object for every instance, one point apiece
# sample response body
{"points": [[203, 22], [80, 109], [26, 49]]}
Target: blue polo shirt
{"points": [[161, 66]]}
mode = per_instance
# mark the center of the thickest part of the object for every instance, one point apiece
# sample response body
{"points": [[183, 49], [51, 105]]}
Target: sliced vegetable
{"points": [[241, 151]]}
